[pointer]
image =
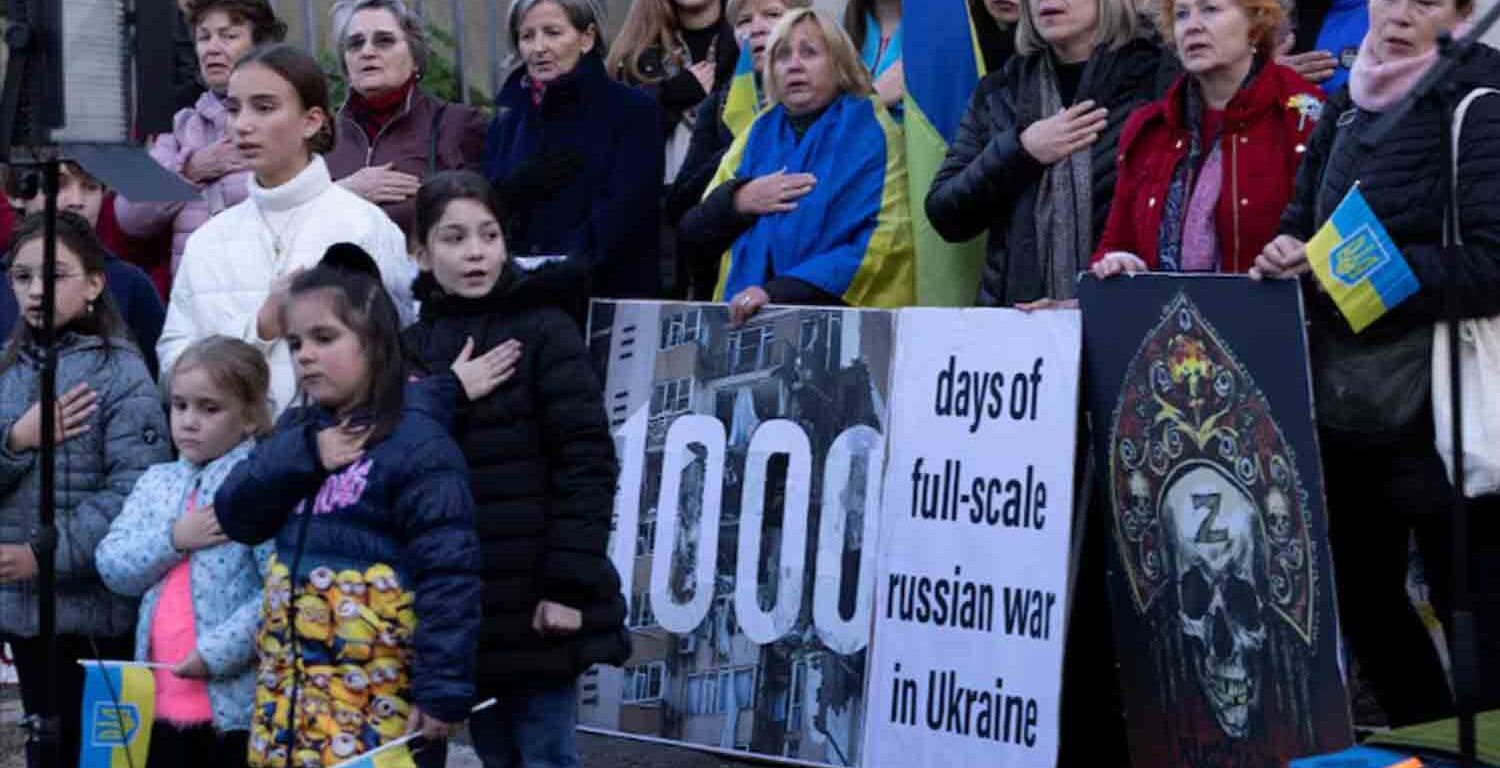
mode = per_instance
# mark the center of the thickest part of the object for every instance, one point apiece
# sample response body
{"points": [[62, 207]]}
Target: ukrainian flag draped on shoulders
{"points": [[942, 66], [851, 235]]}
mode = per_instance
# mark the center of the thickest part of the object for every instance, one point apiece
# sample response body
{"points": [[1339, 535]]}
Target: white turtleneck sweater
{"points": [[229, 264]]}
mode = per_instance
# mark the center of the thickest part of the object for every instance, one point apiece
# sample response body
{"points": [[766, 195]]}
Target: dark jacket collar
{"points": [[417, 101], [570, 88], [1129, 71], [558, 284], [1266, 87]]}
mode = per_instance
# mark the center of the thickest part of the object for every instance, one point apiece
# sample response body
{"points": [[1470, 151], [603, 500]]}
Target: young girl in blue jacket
{"points": [[371, 611], [202, 593]]}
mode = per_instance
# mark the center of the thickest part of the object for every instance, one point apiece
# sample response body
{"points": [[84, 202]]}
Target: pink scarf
{"points": [[1376, 86], [1200, 241]]}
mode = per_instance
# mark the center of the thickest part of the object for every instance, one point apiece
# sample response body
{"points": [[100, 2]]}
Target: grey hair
{"points": [[411, 25], [582, 14]]}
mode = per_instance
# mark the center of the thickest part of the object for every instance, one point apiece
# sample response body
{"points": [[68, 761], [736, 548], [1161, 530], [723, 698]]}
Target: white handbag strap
{"points": [[1451, 221]]}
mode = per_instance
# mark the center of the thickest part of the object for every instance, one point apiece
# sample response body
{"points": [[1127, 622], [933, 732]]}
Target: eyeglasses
{"points": [[383, 41], [21, 278]]}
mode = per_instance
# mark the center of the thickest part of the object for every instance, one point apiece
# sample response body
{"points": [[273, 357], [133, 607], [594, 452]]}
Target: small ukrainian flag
{"points": [[1358, 265], [119, 708], [393, 755]]}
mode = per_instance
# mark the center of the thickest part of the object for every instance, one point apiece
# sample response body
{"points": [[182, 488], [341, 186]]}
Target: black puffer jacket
{"points": [[989, 182], [675, 88], [1403, 180], [542, 469]]}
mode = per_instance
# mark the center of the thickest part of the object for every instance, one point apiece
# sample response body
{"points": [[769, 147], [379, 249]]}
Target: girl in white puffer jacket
{"points": [[237, 267]]}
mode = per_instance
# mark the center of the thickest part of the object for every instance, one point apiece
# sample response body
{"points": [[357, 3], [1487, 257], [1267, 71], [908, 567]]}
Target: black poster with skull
{"points": [[1207, 476]]}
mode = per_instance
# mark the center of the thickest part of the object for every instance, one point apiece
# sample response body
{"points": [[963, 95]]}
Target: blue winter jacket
{"points": [[608, 215], [137, 553], [95, 472], [372, 599]]}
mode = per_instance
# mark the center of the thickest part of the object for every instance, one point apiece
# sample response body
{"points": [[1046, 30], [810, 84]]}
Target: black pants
{"points": [[198, 745], [1484, 583], [1379, 497], [68, 697], [1092, 728]]}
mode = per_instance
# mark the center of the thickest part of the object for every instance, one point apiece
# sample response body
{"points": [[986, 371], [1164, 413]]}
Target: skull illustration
{"points": [[1211, 522], [1278, 516]]}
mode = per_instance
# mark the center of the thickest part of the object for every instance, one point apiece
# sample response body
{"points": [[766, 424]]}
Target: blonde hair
{"points": [[238, 370], [647, 23], [1114, 27], [848, 67], [1266, 19], [735, 7]]}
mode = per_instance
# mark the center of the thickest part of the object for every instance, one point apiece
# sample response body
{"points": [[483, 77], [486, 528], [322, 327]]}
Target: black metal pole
{"points": [[1462, 646], [47, 737]]}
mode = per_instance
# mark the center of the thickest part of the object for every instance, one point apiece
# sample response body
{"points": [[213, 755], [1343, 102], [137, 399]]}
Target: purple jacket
{"points": [[429, 135], [192, 130]]}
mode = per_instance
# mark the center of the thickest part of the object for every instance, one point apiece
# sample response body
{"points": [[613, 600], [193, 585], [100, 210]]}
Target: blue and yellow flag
{"points": [[942, 61], [850, 236], [393, 755], [743, 101], [1359, 757], [1358, 265], [119, 706]]}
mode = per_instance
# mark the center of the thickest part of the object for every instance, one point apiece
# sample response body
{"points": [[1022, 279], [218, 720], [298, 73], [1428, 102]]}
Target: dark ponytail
{"points": [[350, 278], [306, 78]]}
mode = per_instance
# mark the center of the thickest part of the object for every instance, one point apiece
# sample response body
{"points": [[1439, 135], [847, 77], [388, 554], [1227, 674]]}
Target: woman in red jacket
{"points": [[1206, 170]]}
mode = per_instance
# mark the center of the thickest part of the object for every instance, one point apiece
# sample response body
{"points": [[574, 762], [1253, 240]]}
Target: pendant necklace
{"points": [[279, 240]]}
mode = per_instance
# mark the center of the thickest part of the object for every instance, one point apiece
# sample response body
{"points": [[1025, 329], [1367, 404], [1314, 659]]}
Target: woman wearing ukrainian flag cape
{"points": [[809, 206], [725, 114]]}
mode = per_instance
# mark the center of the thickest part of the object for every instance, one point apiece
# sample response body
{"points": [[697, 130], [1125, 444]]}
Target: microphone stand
{"points": [[47, 735], [29, 51], [1462, 652]]}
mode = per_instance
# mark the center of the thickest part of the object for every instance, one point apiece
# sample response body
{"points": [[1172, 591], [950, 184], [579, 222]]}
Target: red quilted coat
{"points": [[1266, 127]]}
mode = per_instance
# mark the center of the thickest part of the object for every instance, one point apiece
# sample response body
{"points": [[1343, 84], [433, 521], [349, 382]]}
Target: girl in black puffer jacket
{"points": [[531, 423]]}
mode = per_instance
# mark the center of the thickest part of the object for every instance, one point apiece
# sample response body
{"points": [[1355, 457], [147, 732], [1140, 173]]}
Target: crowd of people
{"points": [[393, 477]]}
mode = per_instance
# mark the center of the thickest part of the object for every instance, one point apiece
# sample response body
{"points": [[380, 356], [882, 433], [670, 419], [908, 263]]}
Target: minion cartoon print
{"points": [[336, 647]]}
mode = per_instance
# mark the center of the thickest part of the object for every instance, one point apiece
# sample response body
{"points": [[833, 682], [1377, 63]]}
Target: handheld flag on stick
{"points": [[119, 708], [942, 62], [1358, 265], [394, 754]]}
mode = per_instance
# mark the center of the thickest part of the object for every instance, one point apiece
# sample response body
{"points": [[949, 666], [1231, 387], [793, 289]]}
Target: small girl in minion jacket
{"points": [[371, 611], [202, 593]]}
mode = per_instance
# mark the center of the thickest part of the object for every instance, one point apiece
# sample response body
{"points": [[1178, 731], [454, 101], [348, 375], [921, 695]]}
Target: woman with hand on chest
{"points": [[576, 156], [392, 132]]}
